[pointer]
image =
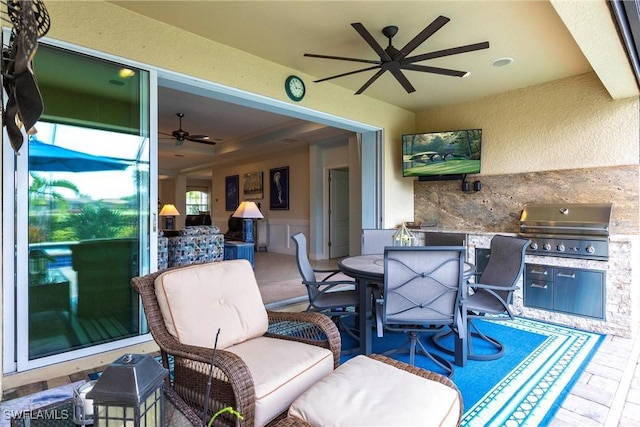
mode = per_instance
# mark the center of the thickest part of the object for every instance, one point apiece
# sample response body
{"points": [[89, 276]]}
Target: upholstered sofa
{"points": [[196, 244], [163, 251]]}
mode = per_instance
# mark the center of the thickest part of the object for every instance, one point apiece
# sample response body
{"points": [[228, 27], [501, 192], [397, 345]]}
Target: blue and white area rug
{"points": [[527, 385], [533, 390]]}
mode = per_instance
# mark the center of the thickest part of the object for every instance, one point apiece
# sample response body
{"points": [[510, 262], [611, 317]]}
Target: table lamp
{"points": [[170, 212], [248, 211]]}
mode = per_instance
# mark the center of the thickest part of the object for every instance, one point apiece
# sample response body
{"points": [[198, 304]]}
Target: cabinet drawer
{"points": [[539, 272], [538, 293]]}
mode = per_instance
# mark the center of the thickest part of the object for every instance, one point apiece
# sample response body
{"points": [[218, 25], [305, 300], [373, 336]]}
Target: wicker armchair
{"points": [[233, 383]]}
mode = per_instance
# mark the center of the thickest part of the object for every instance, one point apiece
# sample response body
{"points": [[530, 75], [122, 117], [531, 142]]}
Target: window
{"points": [[197, 201]]}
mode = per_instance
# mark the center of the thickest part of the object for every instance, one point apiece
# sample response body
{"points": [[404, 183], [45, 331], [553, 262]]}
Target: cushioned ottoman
{"points": [[377, 391]]}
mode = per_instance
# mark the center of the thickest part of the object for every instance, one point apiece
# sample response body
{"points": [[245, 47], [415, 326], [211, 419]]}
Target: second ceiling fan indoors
{"points": [[181, 135], [395, 60]]}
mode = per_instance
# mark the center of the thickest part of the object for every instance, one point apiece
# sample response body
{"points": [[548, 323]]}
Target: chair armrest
{"points": [[231, 376], [311, 328], [493, 287]]}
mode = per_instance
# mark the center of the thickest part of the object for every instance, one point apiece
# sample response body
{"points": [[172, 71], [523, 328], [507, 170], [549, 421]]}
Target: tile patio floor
{"points": [[607, 394]]}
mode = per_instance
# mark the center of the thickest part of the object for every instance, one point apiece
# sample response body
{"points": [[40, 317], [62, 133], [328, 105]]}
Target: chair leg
{"points": [[472, 332], [414, 346], [475, 332]]}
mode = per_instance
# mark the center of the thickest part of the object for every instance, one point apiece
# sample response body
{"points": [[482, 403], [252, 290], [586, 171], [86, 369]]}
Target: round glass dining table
{"points": [[368, 270]]}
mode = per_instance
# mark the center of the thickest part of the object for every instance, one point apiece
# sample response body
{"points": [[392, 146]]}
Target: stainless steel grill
{"points": [[567, 230]]}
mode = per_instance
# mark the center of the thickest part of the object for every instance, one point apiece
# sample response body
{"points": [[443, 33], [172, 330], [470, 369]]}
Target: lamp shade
{"points": [[169, 210], [247, 210]]}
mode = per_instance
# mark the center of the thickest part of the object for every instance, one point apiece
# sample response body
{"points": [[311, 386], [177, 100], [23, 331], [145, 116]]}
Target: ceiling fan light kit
{"points": [[395, 60]]}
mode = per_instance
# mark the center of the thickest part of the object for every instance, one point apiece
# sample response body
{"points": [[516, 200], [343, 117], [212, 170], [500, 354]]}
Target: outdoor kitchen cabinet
{"points": [[565, 289]]}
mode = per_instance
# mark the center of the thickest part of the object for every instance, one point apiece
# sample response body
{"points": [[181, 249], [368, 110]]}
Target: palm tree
{"points": [[44, 199]]}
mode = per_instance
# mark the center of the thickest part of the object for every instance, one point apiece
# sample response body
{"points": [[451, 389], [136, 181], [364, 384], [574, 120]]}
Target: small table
{"points": [[238, 250], [368, 270]]}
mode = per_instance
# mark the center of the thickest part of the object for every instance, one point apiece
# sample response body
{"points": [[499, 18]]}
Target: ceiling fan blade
{"points": [[402, 79], [434, 70], [366, 35], [342, 58], [346, 74], [200, 141], [437, 23], [371, 80], [446, 52]]}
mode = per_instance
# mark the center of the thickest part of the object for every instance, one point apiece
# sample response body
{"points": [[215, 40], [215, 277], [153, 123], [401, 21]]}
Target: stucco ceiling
{"points": [[547, 40]]}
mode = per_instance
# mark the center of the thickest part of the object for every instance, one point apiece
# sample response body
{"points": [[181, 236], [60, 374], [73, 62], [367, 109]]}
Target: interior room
{"points": [[419, 120]]}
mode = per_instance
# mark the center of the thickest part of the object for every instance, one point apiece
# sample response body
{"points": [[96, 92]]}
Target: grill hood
{"points": [[585, 219]]}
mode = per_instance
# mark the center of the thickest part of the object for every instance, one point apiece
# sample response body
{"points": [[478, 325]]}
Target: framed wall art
{"points": [[253, 186], [231, 192], [279, 194]]}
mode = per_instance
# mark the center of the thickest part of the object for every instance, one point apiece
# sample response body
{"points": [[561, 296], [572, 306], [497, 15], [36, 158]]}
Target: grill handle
{"points": [[602, 231]]}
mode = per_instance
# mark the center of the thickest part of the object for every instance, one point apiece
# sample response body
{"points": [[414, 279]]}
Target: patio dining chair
{"points": [[333, 296], [491, 296], [422, 293]]}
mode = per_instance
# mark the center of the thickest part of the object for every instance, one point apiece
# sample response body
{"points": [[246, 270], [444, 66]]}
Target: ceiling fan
{"points": [[181, 135], [395, 60]]}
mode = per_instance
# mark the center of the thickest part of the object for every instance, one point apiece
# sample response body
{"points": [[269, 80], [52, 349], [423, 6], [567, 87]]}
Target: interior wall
{"points": [[282, 223]]}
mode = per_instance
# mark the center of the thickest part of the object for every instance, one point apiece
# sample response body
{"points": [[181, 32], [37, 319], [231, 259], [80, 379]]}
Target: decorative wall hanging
{"points": [[231, 192], [279, 195], [253, 186]]}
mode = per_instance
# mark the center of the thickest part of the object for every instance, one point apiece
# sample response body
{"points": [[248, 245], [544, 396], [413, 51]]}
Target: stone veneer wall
{"points": [[497, 207]]}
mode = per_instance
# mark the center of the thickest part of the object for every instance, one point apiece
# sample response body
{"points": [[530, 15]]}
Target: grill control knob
{"points": [[560, 248], [533, 246], [590, 249], [546, 247]]}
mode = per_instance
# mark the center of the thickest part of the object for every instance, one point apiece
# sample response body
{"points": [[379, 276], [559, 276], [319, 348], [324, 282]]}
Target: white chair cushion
{"points": [[282, 370], [197, 300], [365, 392]]}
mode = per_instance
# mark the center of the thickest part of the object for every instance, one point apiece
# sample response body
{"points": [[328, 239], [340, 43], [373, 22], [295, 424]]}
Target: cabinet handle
{"points": [[536, 271], [567, 275], [539, 285]]}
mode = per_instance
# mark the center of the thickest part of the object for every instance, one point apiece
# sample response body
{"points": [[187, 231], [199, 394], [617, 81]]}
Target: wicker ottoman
{"points": [[377, 390]]}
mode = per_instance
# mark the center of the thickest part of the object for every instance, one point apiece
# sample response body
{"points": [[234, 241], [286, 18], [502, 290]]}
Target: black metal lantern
{"points": [[129, 393]]}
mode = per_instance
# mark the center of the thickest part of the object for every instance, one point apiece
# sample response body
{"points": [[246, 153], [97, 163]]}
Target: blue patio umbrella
{"points": [[52, 158]]}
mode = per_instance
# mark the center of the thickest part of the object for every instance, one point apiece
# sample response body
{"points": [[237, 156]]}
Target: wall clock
{"points": [[294, 86]]}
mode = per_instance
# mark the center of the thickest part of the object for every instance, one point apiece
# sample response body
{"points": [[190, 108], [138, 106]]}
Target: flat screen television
{"points": [[446, 155]]}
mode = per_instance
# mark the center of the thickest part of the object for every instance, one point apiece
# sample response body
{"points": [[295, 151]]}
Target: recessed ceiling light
{"points": [[502, 62], [126, 73]]}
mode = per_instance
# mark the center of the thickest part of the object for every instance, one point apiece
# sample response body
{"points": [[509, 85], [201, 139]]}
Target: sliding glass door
{"points": [[82, 211]]}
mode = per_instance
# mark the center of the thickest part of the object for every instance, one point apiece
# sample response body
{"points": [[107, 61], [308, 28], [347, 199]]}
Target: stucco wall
{"points": [[565, 124]]}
